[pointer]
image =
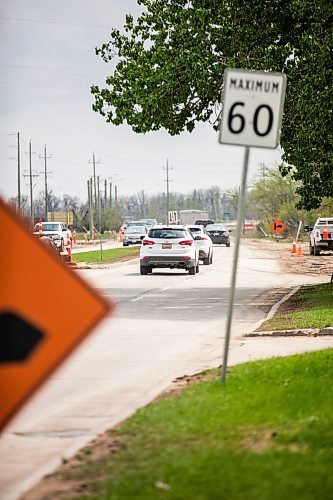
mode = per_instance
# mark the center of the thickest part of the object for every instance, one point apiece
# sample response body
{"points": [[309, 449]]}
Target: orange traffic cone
{"points": [[294, 250], [325, 233], [69, 250], [299, 251], [74, 237]]}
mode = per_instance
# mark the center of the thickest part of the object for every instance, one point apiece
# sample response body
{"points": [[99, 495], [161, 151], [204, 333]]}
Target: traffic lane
{"points": [[196, 303]]}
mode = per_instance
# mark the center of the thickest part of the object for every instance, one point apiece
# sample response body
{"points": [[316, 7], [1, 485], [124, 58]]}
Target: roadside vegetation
{"points": [[267, 433], [107, 256], [310, 307]]}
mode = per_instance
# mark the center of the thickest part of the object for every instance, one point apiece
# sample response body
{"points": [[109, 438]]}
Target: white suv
{"points": [[169, 246], [57, 231]]}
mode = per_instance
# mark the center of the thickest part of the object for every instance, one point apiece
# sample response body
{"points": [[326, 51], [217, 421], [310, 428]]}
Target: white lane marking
{"points": [[138, 298], [166, 288]]}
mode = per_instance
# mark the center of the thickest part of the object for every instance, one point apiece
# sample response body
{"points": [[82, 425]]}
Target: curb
{"points": [[299, 332]]}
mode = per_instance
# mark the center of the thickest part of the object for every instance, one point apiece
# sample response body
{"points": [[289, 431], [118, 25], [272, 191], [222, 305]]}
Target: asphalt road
{"points": [[166, 325]]}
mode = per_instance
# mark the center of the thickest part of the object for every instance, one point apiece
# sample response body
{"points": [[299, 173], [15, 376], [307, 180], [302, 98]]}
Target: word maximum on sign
{"points": [[252, 108]]}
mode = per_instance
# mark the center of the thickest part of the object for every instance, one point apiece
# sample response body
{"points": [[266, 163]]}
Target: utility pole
{"points": [[143, 204], [105, 193], [167, 180], [99, 204], [18, 173], [31, 176], [18, 158], [90, 204], [31, 197], [94, 176], [115, 197], [110, 195], [45, 180]]}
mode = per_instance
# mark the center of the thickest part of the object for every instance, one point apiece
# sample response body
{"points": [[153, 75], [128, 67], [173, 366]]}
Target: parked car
{"points": [[320, 236], [219, 234], [170, 247], [203, 222], [57, 231], [133, 235], [203, 243]]}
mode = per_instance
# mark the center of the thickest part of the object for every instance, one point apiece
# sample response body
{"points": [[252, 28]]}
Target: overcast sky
{"points": [[47, 65]]}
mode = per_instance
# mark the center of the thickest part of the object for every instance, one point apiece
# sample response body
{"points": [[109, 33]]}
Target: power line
{"points": [[54, 22]]}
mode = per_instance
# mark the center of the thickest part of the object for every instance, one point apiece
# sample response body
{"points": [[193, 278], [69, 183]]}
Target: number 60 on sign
{"points": [[252, 108]]}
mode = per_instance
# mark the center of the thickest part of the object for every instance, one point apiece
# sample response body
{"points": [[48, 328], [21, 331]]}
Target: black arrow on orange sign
{"points": [[18, 338]]}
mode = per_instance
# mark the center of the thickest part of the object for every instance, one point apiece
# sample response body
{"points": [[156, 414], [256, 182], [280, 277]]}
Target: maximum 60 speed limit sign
{"points": [[252, 108], [251, 116]]}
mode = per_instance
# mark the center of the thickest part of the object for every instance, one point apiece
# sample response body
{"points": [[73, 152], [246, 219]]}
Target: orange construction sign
{"points": [[278, 226], [46, 310]]}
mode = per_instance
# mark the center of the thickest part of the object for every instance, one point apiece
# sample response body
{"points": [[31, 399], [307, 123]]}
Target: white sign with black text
{"points": [[252, 108]]}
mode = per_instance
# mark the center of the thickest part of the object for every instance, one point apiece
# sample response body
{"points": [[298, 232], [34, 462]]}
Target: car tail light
{"points": [[187, 243], [148, 242]]}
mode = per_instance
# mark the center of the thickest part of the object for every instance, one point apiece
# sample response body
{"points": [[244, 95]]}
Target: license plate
{"points": [[166, 246]]}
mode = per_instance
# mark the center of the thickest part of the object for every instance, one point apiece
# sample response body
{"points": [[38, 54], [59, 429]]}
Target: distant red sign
{"points": [[248, 227]]}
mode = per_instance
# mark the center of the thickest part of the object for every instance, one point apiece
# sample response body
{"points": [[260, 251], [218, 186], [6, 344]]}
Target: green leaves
{"points": [[170, 64]]}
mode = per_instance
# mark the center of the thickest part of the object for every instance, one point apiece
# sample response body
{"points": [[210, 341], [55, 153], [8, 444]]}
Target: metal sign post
{"points": [[252, 114], [240, 221]]}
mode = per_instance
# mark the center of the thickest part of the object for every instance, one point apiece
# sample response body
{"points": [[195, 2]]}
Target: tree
{"points": [[170, 63], [274, 197]]}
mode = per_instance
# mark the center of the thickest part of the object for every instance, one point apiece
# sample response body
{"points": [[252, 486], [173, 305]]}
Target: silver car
{"points": [[134, 234], [203, 243]]}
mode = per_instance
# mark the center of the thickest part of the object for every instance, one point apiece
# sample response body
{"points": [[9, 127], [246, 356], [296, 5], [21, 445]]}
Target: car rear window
{"points": [[166, 233], [49, 227], [135, 229], [195, 229], [216, 227], [135, 224]]}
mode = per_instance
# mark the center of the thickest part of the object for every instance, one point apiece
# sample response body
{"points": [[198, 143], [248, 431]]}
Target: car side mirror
{"points": [[307, 229]]}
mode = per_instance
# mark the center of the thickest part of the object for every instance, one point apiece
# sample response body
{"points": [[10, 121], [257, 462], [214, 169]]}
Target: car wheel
{"points": [[150, 270], [316, 251], [143, 270], [197, 267], [125, 244], [191, 271], [211, 258], [206, 261], [311, 250], [227, 244]]}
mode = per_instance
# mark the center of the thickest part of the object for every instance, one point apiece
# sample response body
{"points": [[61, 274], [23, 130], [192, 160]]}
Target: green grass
{"points": [[310, 307], [266, 434], [110, 255]]}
